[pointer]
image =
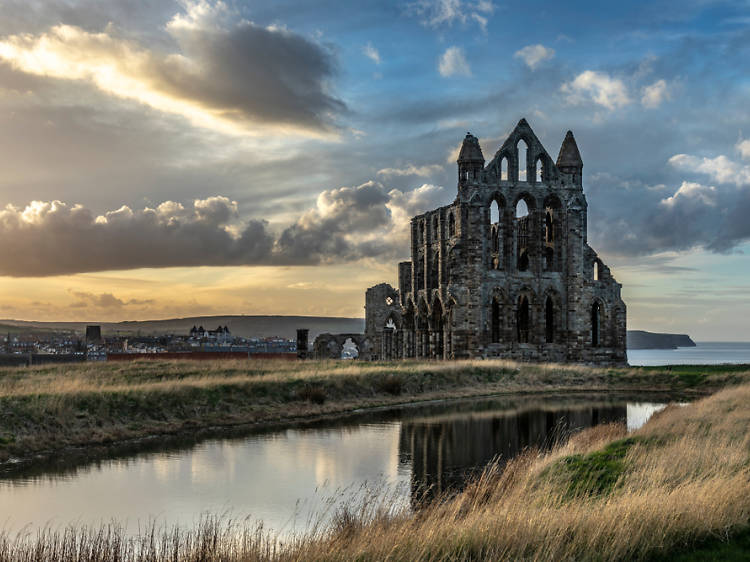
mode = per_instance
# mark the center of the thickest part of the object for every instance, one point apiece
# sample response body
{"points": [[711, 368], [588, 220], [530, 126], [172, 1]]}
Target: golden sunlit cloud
{"points": [[218, 80]]}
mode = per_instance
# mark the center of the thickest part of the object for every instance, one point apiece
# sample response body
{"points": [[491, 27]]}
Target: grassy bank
{"points": [[49, 409], [678, 488]]}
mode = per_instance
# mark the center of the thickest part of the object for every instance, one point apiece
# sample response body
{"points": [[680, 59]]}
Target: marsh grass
{"points": [[46, 409], [678, 485]]}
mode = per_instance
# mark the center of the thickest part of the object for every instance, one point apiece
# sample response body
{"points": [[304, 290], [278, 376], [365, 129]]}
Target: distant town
{"points": [[60, 346]]}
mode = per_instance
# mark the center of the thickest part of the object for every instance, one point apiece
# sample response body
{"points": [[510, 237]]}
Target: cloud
{"points": [[721, 169], [219, 77], [655, 94], [692, 190], [438, 13], [696, 215], [453, 63], [743, 147], [534, 55], [371, 53], [412, 170], [53, 238], [346, 224], [349, 223], [598, 87], [105, 300]]}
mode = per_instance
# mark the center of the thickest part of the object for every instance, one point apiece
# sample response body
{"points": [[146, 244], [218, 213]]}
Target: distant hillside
{"points": [[638, 339], [246, 326], [283, 326]]}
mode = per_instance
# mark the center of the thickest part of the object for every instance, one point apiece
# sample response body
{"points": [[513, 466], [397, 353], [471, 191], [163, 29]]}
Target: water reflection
{"points": [[445, 451], [284, 478]]}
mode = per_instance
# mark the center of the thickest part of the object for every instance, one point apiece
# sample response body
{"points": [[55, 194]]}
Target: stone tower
{"points": [[505, 270]]}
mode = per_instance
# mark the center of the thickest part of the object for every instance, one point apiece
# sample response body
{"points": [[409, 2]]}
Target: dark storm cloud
{"points": [[251, 72]]}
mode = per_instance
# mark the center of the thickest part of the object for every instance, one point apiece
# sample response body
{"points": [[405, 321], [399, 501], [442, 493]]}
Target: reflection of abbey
{"points": [[503, 271]]}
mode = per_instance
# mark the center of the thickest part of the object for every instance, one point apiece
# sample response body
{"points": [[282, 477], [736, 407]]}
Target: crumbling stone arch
{"points": [[330, 346]]}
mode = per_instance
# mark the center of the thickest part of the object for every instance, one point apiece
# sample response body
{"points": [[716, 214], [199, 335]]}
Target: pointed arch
{"points": [[504, 169], [539, 170], [551, 317], [422, 330], [522, 231], [449, 322], [495, 230], [596, 323], [522, 159], [409, 329], [551, 233], [497, 307], [451, 224], [523, 318], [437, 326]]}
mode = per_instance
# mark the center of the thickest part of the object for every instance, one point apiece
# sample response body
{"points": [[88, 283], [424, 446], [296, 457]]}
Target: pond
{"points": [[286, 479]]}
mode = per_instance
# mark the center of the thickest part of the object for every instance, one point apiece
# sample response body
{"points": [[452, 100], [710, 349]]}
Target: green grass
{"points": [[596, 473]]}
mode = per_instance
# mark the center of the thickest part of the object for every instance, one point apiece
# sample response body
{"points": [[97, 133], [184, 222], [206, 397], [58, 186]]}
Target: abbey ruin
{"points": [[503, 271]]}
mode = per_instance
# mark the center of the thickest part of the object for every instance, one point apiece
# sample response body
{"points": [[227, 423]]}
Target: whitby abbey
{"points": [[504, 271]]}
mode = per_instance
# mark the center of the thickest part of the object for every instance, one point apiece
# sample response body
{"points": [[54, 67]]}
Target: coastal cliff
{"points": [[639, 339]]}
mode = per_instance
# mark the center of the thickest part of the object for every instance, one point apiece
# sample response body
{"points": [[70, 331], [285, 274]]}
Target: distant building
{"points": [[93, 334], [221, 335]]}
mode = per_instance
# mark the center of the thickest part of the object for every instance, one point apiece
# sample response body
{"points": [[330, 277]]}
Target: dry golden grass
{"points": [[680, 479], [148, 374]]}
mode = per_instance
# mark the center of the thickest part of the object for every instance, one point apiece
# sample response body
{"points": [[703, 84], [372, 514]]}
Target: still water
{"points": [[705, 353], [284, 478]]}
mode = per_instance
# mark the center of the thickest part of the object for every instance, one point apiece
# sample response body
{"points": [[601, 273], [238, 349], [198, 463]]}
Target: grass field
{"points": [[47, 409], [676, 489]]}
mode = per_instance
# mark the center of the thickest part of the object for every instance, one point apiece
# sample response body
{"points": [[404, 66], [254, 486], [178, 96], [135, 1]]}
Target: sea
{"points": [[704, 353]]}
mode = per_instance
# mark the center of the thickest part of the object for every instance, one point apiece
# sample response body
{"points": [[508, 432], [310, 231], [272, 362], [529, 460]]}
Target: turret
{"points": [[569, 160], [470, 159]]}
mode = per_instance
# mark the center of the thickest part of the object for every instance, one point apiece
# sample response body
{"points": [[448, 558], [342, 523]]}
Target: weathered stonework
{"points": [[484, 284]]}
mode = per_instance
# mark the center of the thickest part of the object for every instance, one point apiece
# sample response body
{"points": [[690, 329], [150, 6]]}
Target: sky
{"points": [[163, 159]]}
